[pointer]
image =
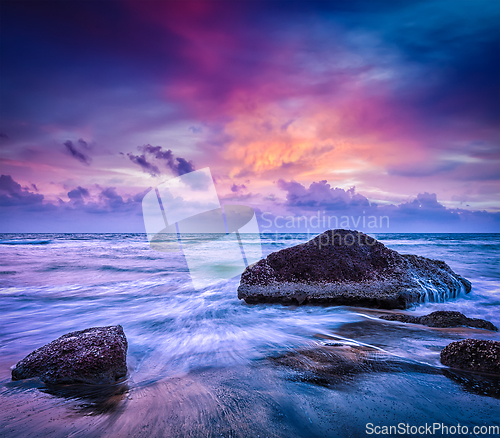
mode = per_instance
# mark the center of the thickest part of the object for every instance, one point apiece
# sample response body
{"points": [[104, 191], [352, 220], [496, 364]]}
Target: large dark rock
{"points": [[442, 319], [343, 267], [96, 355], [473, 355]]}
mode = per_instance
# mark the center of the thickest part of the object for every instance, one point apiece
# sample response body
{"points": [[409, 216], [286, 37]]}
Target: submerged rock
{"points": [[331, 363], [96, 355], [336, 362], [442, 319], [473, 355], [343, 267], [482, 384]]}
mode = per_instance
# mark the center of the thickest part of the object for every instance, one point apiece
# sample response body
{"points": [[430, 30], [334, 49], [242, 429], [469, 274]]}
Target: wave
{"points": [[141, 269], [25, 242]]}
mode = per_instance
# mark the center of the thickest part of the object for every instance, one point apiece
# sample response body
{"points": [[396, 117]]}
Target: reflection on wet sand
{"points": [[331, 390], [475, 383]]}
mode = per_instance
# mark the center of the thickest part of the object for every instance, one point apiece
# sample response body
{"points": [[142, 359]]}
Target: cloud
{"points": [[8, 185], [111, 211], [23, 211], [348, 209], [12, 194], [110, 193], [157, 152], [425, 207], [320, 195], [178, 165], [75, 153], [428, 200], [183, 166], [78, 193], [113, 200], [144, 163], [84, 144], [405, 218], [238, 187]]}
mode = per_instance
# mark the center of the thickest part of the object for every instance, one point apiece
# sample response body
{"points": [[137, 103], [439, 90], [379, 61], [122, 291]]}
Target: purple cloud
{"points": [[320, 195], [12, 194], [144, 164], [235, 188], [183, 166], [75, 153], [78, 193], [178, 165]]}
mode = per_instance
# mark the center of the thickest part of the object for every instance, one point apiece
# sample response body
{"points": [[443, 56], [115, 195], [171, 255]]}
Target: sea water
{"points": [[217, 345]]}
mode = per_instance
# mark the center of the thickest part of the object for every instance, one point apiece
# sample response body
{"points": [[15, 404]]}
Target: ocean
{"points": [[199, 359]]}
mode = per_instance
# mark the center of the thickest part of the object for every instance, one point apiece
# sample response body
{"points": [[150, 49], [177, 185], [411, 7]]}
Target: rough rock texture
{"points": [[473, 355], [442, 318], [343, 267], [96, 355]]}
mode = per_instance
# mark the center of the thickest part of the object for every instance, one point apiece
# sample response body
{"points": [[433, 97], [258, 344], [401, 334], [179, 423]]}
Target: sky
{"points": [[348, 110]]}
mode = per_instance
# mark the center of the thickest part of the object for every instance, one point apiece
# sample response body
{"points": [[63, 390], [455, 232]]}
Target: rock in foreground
{"points": [[96, 355], [442, 319], [343, 267], [473, 355]]}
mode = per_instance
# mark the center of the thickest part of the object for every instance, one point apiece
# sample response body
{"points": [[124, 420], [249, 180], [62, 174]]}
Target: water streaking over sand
{"points": [[199, 359]]}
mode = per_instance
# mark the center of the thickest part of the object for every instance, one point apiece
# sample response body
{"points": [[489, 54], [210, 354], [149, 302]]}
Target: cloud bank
{"points": [[302, 209]]}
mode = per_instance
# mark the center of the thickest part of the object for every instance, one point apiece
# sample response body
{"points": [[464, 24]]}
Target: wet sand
{"points": [[263, 399]]}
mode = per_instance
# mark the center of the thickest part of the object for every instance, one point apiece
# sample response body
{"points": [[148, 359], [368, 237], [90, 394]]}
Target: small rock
{"points": [[96, 355], [442, 319], [473, 355]]}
